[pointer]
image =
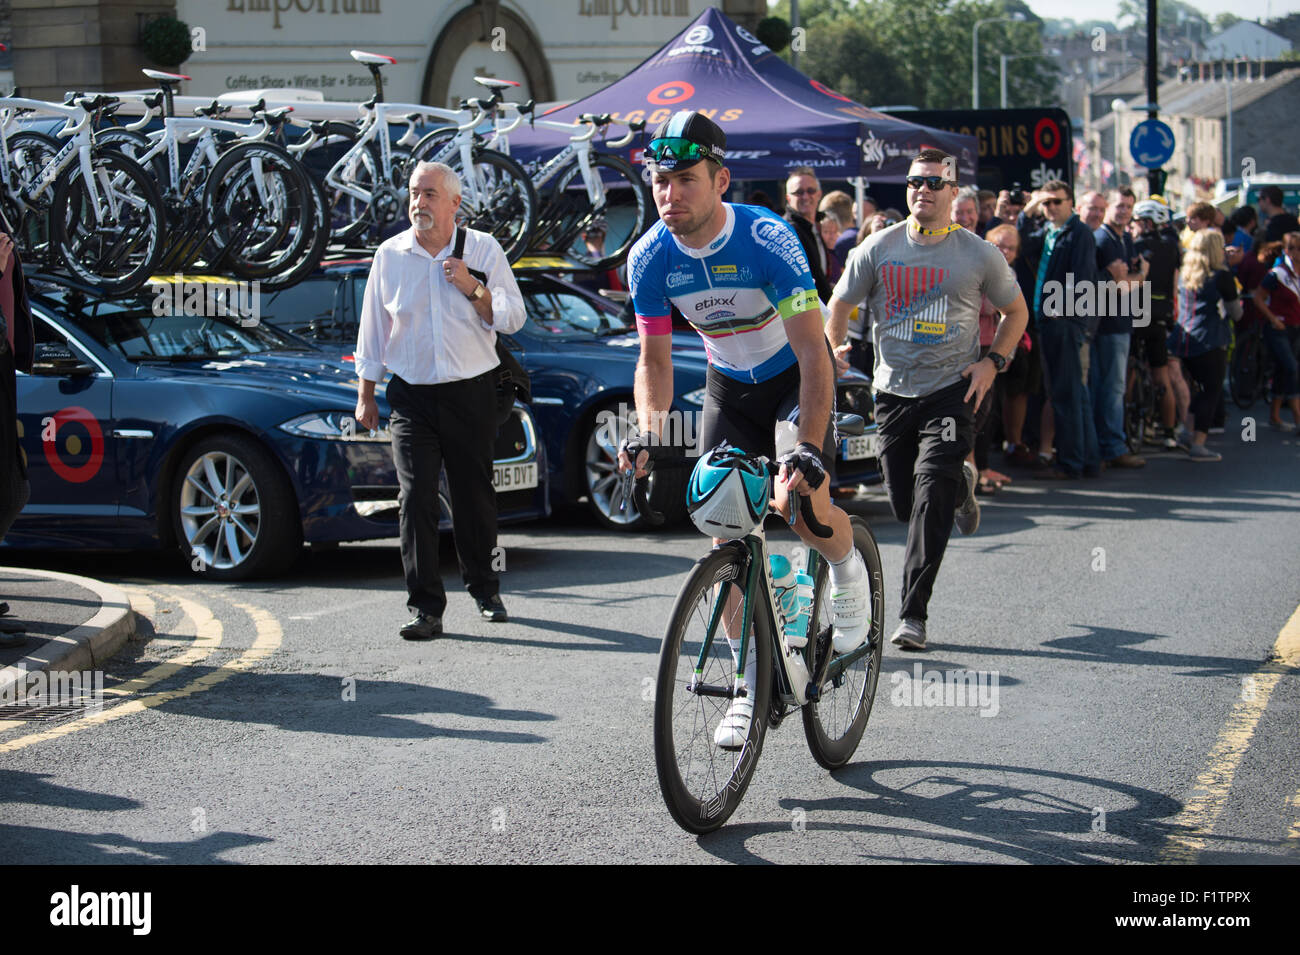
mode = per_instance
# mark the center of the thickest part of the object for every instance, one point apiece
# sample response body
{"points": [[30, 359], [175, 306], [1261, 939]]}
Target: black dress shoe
{"points": [[422, 627], [491, 608]]}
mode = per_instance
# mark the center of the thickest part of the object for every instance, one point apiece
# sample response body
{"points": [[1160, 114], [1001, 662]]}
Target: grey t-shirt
{"points": [[923, 304]]}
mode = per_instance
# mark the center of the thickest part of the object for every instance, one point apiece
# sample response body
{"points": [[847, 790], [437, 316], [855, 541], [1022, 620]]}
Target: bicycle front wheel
{"points": [[703, 783], [834, 724], [108, 233]]}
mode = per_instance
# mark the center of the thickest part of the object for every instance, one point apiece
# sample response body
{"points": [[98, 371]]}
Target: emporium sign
{"points": [[284, 7]]}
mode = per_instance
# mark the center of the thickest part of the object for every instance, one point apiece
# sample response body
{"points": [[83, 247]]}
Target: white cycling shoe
{"points": [[734, 728], [852, 605]]}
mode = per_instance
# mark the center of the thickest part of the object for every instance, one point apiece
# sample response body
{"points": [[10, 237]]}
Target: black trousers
{"points": [[453, 427], [1208, 370], [923, 442]]}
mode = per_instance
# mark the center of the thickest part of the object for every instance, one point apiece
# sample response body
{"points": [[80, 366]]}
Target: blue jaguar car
{"points": [[145, 424]]}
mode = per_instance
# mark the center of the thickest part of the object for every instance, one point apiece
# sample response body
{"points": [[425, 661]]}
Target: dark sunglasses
{"points": [[678, 149], [803, 192], [1052, 202], [933, 183]]}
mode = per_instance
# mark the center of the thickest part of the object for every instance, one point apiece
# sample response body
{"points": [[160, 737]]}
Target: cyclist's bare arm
{"points": [[653, 389]]}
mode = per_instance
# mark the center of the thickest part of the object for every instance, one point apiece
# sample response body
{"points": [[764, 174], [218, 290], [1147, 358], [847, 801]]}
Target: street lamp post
{"points": [[975, 53], [1118, 107], [1003, 57]]}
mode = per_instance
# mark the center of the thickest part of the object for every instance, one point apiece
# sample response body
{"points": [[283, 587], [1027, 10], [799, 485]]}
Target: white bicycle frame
{"points": [[579, 145], [182, 129], [377, 118], [77, 131]]}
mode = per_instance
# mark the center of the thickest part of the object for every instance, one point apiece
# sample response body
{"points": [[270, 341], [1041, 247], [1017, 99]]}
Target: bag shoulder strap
{"points": [[458, 248]]}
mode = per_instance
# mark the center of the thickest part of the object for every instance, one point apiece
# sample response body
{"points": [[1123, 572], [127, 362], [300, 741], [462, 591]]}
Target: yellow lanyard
{"points": [[951, 227]]}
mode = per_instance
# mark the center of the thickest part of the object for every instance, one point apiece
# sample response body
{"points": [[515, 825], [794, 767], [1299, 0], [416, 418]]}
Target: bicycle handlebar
{"points": [[665, 457]]}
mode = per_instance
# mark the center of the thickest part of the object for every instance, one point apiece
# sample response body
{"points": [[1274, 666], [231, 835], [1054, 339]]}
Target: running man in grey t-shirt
{"points": [[921, 282]]}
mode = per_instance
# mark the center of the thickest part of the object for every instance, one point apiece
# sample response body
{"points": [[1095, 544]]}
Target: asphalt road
{"points": [[1129, 622]]}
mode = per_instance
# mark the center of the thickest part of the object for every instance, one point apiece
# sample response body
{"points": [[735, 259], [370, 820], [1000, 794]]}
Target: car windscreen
{"points": [[161, 327], [562, 313]]}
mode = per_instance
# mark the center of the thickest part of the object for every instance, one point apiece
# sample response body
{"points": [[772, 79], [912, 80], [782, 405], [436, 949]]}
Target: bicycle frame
{"points": [[77, 130], [182, 129], [795, 684], [376, 118]]}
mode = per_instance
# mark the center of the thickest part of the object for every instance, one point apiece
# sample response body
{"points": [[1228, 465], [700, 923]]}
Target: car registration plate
{"points": [[512, 477], [858, 446]]}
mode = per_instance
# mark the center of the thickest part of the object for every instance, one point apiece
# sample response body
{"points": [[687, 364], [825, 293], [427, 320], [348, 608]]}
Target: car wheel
{"points": [[235, 513], [602, 480]]}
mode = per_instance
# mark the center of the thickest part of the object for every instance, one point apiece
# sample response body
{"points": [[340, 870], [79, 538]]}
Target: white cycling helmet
{"points": [[728, 493], [1152, 209]]}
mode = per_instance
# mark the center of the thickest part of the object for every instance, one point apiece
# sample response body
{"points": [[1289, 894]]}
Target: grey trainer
{"points": [[910, 634]]}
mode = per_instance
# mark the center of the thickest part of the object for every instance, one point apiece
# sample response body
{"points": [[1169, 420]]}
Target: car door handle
{"points": [[129, 433]]}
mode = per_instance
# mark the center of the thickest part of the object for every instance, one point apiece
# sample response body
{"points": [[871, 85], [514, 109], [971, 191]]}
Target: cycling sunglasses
{"points": [[934, 183], [680, 150]]}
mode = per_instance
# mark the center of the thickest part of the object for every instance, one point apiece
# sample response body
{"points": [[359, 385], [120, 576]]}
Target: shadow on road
{"points": [[1016, 813]]}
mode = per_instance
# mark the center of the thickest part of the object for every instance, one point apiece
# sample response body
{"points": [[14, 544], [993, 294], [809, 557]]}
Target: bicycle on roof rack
{"points": [[92, 210], [367, 185], [244, 205]]}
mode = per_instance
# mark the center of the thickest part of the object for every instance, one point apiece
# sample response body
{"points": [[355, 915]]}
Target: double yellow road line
{"points": [[208, 632]]}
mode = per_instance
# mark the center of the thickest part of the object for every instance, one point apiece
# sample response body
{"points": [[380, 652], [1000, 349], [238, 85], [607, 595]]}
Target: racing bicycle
{"points": [[730, 592]]}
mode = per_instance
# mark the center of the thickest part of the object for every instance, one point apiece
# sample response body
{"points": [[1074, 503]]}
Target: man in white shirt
{"points": [[432, 324]]}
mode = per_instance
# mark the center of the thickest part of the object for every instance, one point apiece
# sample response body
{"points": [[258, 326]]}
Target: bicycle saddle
{"points": [[377, 59], [492, 83], [165, 78]]}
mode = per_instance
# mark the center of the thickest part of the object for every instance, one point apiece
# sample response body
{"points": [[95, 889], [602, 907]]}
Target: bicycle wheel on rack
{"points": [[600, 238], [30, 154], [116, 243], [835, 723], [261, 209], [501, 202], [315, 251], [134, 145], [702, 783]]}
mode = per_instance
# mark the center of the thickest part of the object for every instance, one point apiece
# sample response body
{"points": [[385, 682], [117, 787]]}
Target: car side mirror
{"points": [[59, 361]]}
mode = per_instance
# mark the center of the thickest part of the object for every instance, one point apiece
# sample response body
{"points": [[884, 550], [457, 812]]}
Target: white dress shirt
{"points": [[419, 326]]}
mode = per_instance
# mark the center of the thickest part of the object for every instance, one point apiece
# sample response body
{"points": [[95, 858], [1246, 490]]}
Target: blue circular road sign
{"points": [[1152, 143]]}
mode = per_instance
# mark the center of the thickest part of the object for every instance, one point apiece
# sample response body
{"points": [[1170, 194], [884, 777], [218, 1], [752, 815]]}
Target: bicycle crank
{"points": [[387, 205]]}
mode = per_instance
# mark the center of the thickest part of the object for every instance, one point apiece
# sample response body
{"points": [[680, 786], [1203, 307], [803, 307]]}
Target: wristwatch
{"points": [[478, 293], [998, 361]]}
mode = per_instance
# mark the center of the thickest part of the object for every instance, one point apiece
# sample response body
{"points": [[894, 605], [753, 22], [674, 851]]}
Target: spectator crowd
{"points": [[1105, 277]]}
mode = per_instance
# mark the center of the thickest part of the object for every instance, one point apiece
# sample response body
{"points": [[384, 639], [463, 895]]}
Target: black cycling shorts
{"points": [[745, 414], [1155, 335]]}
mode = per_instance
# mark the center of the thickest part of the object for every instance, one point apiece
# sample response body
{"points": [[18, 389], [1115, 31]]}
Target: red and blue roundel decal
{"points": [[74, 428], [671, 93]]}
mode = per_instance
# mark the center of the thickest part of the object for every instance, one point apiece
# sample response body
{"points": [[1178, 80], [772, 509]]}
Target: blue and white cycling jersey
{"points": [[732, 291]]}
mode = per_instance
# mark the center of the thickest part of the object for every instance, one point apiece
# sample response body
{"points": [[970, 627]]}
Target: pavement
{"points": [[71, 622]]}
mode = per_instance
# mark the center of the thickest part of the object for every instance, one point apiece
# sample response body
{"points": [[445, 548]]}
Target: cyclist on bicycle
{"points": [[739, 275], [1157, 243]]}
